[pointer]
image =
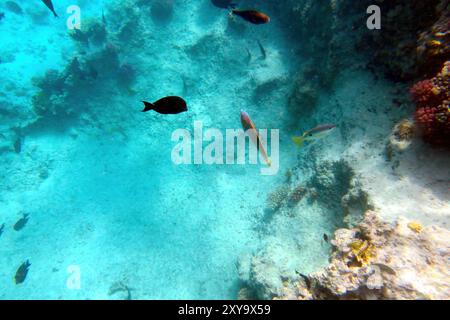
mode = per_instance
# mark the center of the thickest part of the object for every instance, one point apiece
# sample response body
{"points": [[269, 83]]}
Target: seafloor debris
{"points": [[395, 261]]}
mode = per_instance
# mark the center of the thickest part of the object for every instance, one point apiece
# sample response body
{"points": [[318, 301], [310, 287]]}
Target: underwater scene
{"points": [[224, 149]]}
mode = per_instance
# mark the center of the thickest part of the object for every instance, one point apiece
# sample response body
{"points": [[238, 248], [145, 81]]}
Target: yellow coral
{"points": [[363, 251], [434, 43], [415, 226]]}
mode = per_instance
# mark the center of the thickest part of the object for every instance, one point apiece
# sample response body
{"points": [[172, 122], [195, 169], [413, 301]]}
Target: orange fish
{"points": [[252, 16], [247, 124]]}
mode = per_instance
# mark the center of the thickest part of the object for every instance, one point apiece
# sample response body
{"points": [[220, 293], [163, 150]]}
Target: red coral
{"points": [[422, 92], [434, 123], [433, 110]]}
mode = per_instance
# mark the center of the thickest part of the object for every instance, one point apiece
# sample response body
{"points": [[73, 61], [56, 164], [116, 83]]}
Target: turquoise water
{"points": [[95, 174]]}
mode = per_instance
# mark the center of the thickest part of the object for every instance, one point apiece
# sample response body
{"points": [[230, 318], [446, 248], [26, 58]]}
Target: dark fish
{"points": [[306, 278], [325, 237], [128, 293], [22, 272], [249, 56], [49, 5], [2, 15], [1, 229], [167, 105], [263, 51], [13, 7], [18, 145], [21, 223], [224, 4], [252, 16]]}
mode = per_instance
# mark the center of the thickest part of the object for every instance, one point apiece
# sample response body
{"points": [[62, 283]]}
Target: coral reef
{"points": [[335, 186], [377, 260], [64, 94], [433, 111], [93, 32], [398, 50], [434, 44]]}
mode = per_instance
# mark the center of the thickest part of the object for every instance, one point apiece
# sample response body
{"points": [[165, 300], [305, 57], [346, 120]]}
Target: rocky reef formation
{"points": [[378, 260], [95, 65], [332, 197]]}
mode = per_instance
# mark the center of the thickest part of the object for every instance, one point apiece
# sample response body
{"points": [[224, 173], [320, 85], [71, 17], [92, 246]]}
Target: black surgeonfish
{"points": [[21, 223], [252, 16], [167, 105], [22, 272], [49, 5], [224, 4]]}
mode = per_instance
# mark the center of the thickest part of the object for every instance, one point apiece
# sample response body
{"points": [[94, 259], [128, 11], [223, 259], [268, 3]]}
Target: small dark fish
{"points": [[18, 145], [49, 5], [2, 15], [167, 105], [263, 51], [128, 293], [21, 223], [1, 229], [325, 237], [306, 278], [22, 272], [224, 4], [13, 7], [249, 56], [103, 17], [252, 16]]}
